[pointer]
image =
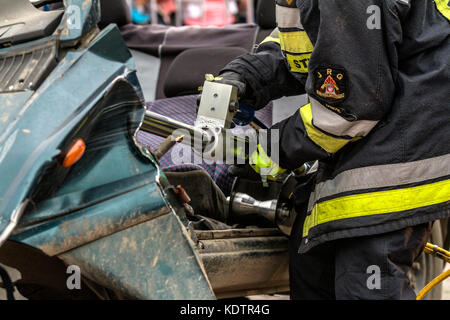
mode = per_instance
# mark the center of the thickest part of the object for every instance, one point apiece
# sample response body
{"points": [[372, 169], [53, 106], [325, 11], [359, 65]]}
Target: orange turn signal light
{"points": [[74, 153]]}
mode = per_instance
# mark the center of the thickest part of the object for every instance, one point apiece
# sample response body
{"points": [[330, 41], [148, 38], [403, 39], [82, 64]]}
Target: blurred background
{"points": [[193, 12], [203, 13]]}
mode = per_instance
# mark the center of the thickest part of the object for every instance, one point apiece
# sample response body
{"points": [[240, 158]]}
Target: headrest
{"points": [[187, 71], [116, 11], [265, 14]]}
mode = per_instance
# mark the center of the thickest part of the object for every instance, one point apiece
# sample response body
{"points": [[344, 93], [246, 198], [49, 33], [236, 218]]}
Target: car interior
{"points": [[171, 64]]}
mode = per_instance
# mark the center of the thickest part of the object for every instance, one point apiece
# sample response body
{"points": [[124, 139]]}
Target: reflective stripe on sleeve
{"points": [[288, 17], [274, 36], [328, 143], [329, 121], [296, 42], [270, 39], [298, 63]]}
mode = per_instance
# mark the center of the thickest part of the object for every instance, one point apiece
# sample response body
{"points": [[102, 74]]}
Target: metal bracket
{"points": [[214, 110]]}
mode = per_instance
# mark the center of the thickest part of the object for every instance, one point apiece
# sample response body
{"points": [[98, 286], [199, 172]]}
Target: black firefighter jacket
{"points": [[377, 76]]}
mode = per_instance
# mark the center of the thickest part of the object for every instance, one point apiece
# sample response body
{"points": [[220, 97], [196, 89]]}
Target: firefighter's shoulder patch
{"points": [[287, 3], [330, 84]]}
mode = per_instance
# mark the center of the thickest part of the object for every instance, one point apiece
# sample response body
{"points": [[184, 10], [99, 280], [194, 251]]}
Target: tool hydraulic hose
{"points": [[442, 254]]}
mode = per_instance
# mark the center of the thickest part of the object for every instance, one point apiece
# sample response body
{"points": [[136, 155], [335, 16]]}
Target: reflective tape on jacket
{"points": [[376, 203], [381, 176], [295, 43], [287, 17], [328, 121], [297, 49], [444, 7], [274, 36], [298, 63], [327, 142]]}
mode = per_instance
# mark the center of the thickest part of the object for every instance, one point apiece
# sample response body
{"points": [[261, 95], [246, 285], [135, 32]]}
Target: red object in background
{"points": [[214, 14], [167, 6]]}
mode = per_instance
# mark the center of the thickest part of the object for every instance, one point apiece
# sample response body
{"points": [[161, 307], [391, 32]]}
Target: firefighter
{"points": [[376, 73]]}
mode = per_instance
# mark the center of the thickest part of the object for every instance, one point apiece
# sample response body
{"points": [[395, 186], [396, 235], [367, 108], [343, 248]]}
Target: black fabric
{"points": [[342, 269], [417, 127], [188, 69], [266, 74], [116, 11], [265, 14], [367, 55], [368, 59], [295, 147]]}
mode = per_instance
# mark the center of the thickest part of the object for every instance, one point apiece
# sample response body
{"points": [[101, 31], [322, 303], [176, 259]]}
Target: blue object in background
{"points": [[244, 116], [139, 17]]}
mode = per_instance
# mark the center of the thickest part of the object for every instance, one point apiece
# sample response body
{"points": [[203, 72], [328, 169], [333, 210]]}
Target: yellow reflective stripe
{"points": [[296, 42], [380, 202], [299, 63], [444, 8], [270, 39], [328, 143]]}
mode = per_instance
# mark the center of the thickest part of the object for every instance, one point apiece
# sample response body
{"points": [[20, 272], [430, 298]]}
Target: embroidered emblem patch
{"points": [[286, 3], [330, 83]]}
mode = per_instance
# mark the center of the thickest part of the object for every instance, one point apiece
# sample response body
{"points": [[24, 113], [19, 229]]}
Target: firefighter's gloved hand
{"points": [[262, 164], [244, 171], [231, 78]]}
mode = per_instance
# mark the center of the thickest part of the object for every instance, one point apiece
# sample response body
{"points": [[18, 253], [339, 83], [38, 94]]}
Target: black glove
{"points": [[234, 79], [243, 171], [245, 94]]}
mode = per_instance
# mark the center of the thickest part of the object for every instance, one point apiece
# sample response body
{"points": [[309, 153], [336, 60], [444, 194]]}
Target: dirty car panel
{"points": [[113, 213], [116, 190]]}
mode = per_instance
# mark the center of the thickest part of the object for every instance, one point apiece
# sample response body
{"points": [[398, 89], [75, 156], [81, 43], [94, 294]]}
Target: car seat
{"points": [[188, 69], [116, 11], [265, 18]]}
